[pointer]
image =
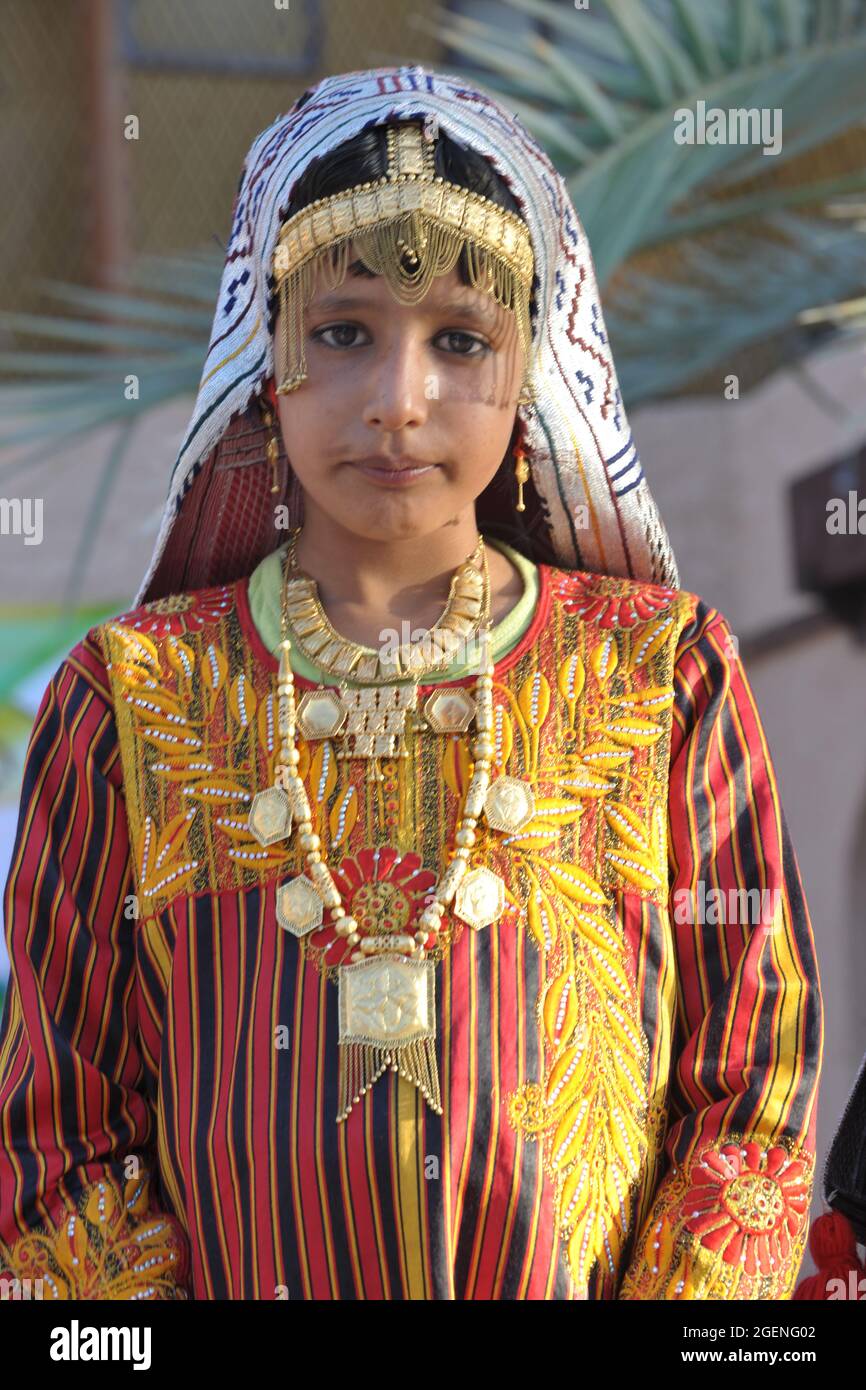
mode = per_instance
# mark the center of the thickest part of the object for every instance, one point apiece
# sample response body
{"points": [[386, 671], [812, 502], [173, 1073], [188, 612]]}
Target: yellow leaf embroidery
{"points": [[503, 735], [534, 699], [650, 700], [556, 810], [634, 732], [323, 773], [343, 815], [570, 680], [136, 646], [182, 769], [541, 917], [214, 668], [634, 868], [650, 640], [218, 788], [242, 699], [627, 826], [603, 658], [577, 884], [604, 755], [181, 659], [560, 1008]]}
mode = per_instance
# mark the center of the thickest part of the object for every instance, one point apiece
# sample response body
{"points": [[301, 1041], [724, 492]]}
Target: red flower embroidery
{"points": [[384, 891], [748, 1204], [580, 594], [179, 613]]}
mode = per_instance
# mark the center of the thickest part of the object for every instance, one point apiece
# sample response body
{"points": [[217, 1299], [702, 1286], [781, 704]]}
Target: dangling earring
{"points": [[273, 449], [521, 474]]}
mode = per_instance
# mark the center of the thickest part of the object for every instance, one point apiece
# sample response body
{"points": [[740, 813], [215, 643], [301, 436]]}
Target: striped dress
{"points": [[629, 1056]]}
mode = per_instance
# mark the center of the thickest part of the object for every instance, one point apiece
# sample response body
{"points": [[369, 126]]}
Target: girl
{"points": [[402, 906]]}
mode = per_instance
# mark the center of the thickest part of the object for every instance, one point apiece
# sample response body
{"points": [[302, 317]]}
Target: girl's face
{"points": [[434, 384]]}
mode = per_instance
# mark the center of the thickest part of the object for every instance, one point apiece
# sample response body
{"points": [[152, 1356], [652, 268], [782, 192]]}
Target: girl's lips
{"points": [[394, 477]]}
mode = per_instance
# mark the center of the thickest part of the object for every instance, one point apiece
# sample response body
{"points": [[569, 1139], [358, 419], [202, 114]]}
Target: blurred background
{"points": [[734, 285]]}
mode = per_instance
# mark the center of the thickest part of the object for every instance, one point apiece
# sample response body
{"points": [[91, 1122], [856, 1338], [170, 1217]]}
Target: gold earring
{"points": [[521, 473], [273, 450]]}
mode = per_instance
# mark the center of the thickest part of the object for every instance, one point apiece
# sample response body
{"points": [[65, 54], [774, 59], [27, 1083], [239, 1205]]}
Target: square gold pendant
{"points": [[387, 1001], [376, 722]]}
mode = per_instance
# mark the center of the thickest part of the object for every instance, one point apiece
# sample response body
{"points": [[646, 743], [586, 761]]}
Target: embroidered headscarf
{"points": [[588, 505]]}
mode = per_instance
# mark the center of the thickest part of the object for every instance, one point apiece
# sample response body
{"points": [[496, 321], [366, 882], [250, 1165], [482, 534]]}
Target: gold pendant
{"points": [[299, 908], [480, 899], [387, 1013], [509, 804], [449, 711], [370, 720], [270, 817]]}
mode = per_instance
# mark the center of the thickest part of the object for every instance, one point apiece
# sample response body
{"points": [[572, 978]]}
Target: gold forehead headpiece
{"points": [[409, 226]]}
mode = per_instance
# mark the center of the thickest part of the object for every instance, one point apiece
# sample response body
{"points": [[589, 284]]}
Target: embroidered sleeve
{"points": [[76, 1203], [729, 1218]]}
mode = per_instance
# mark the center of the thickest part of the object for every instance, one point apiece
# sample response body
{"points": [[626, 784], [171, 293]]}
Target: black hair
{"points": [[364, 159]]}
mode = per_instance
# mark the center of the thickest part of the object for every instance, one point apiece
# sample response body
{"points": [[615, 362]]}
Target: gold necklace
{"points": [[371, 720], [466, 611], [386, 1005]]}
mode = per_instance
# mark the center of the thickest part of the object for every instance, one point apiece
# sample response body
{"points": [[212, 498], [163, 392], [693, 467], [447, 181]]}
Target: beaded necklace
{"points": [[386, 1004]]}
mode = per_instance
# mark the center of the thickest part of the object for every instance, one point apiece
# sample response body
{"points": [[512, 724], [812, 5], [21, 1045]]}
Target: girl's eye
{"points": [[469, 338], [466, 345], [339, 328]]}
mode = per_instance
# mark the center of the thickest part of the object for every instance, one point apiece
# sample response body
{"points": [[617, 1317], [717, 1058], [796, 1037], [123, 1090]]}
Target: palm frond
{"points": [[725, 302], [638, 65], [125, 353]]}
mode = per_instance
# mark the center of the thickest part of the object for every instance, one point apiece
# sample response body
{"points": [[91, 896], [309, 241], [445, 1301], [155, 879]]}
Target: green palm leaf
{"points": [[755, 289], [614, 78]]}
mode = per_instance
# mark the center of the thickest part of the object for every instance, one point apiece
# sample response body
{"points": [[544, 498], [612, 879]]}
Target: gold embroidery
{"points": [[590, 1109], [108, 1246]]}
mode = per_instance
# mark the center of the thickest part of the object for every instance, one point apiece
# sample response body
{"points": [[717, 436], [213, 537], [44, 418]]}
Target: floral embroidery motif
{"points": [[179, 613], [732, 1223], [208, 738], [748, 1204], [382, 890], [584, 595], [109, 1246]]}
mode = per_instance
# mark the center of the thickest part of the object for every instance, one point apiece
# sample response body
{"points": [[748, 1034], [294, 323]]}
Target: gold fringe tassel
{"points": [[361, 1065]]}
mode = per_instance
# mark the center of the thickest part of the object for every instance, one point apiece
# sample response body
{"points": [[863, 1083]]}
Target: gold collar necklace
{"points": [[467, 610]]}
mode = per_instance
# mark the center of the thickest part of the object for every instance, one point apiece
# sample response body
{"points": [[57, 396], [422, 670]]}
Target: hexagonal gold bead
{"points": [[480, 898], [270, 817], [449, 711], [321, 714], [509, 804], [299, 907]]}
